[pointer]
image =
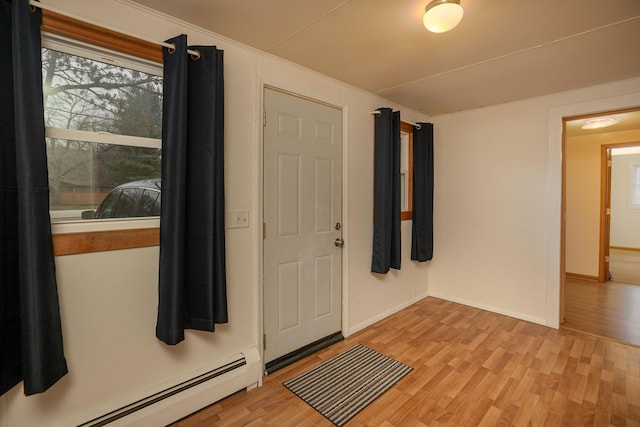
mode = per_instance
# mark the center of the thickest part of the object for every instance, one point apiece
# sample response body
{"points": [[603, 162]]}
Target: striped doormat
{"points": [[343, 385]]}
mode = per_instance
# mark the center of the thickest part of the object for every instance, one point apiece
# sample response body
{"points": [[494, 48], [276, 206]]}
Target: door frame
{"points": [[605, 212], [557, 140], [301, 93], [625, 95]]}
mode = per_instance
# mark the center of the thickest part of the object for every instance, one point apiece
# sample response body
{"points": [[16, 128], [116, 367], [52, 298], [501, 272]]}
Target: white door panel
{"points": [[302, 205]]}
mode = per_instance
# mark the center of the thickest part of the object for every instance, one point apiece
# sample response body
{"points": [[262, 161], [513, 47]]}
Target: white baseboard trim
{"points": [[190, 401], [186, 400], [378, 317], [491, 308]]}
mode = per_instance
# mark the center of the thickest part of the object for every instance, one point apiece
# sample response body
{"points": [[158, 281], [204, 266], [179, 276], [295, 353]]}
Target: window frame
{"points": [[96, 236], [634, 185], [407, 214]]}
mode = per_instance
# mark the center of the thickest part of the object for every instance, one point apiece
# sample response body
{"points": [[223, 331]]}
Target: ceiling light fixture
{"points": [[442, 15], [599, 122]]}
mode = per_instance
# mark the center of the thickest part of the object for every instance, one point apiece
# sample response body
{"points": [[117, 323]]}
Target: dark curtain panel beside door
{"points": [[422, 230], [30, 330], [386, 192], [192, 277]]}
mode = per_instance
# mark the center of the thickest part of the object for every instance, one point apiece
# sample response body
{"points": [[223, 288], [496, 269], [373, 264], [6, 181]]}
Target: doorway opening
{"points": [[622, 196], [599, 225]]}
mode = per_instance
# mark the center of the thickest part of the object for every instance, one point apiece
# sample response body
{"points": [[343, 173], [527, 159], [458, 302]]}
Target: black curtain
{"points": [[386, 192], [192, 278], [422, 230], [30, 331]]}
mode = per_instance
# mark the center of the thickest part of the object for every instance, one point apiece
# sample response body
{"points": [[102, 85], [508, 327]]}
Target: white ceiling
{"points": [[503, 50]]}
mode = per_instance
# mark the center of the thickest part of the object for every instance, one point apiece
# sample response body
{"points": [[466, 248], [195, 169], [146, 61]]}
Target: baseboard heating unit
{"points": [[188, 396]]}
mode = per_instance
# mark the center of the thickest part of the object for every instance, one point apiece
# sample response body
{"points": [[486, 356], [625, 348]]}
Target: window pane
{"points": [[635, 198], [404, 150], [404, 200], [81, 174], [83, 94]]}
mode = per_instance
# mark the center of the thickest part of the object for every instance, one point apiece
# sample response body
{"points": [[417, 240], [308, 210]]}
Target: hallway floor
{"points": [[610, 310], [624, 265]]}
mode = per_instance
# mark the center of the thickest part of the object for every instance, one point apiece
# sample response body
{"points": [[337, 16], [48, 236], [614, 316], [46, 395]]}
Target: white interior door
{"points": [[302, 215]]}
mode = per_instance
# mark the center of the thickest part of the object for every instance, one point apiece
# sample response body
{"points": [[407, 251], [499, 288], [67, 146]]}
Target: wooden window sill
{"points": [[99, 241], [406, 216]]}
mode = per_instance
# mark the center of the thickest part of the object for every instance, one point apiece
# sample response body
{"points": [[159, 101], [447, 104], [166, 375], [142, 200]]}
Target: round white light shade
{"points": [[599, 122], [442, 15]]}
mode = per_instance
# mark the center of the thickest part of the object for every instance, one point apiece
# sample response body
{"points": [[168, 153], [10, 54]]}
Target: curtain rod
{"points": [[415, 125], [42, 6]]}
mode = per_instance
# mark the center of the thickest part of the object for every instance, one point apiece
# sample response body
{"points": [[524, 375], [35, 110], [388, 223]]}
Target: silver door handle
{"points": [[339, 242]]}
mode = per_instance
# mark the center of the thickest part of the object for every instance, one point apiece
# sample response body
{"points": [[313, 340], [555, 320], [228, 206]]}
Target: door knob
{"points": [[339, 242]]}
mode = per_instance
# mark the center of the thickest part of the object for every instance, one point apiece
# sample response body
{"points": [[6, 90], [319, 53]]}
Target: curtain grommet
{"points": [[195, 56]]}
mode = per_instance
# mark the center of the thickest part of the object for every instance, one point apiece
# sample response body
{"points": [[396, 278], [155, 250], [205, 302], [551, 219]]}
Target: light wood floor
{"points": [[606, 309], [471, 368], [624, 266]]}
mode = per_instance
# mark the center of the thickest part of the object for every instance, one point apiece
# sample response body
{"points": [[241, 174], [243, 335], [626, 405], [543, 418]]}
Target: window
{"points": [[68, 35], [406, 170], [103, 114], [635, 186]]}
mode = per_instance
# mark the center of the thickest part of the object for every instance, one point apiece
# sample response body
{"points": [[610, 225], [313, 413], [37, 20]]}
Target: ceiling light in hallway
{"points": [[599, 122]]}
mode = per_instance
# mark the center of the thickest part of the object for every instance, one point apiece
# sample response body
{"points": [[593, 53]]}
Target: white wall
{"points": [[490, 176], [625, 220], [372, 297], [583, 164], [497, 200], [109, 300]]}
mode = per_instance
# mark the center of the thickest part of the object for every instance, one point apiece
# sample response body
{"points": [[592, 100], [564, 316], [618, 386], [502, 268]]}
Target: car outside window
{"points": [[147, 203], [156, 206], [108, 206], [127, 202]]}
